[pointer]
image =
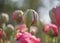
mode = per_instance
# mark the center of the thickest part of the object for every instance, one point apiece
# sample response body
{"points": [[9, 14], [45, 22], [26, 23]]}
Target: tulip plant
{"points": [[27, 28]]}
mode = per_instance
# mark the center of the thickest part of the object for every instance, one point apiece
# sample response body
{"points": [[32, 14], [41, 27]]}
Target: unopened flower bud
{"points": [[30, 17], [9, 30], [51, 30], [4, 18], [55, 16], [10, 26], [17, 16]]}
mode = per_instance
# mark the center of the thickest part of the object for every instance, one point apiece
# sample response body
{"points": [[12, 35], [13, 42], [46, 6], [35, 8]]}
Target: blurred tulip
{"points": [[55, 16], [21, 28], [51, 30], [10, 26], [30, 17], [27, 38], [4, 18], [2, 34], [17, 16], [52, 16], [9, 30]]}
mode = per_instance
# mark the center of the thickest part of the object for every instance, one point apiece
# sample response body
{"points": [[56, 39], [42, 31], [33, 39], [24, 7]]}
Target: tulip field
{"points": [[27, 28]]}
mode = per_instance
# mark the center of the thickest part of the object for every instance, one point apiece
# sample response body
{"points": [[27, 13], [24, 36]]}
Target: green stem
{"points": [[28, 29], [55, 40], [58, 38], [50, 39], [3, 26], [13, 37], [44, 38]]}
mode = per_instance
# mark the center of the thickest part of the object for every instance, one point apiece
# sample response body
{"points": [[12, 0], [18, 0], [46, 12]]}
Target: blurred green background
{"points": [[8, 6]]}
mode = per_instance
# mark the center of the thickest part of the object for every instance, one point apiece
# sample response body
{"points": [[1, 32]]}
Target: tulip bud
{"points": [[4, 18], [9, 30], [30, 17], [17, 16], [10, 26], [55, 16], [51, 30]]}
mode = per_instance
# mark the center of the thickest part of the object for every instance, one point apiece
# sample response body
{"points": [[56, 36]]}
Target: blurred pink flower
{"points": [[26, 37], [18, 35], [51, 30], [56, 14], [17, 16], [21, 28]]}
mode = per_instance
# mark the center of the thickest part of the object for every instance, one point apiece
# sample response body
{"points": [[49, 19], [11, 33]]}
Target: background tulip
{"points": [[9, 31], [51, 30], [4, 18], [55, 16], [30, 17], [17, 16]]}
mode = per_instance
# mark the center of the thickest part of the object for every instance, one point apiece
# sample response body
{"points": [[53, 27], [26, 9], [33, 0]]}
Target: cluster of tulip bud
{"points": [[26, 27]]}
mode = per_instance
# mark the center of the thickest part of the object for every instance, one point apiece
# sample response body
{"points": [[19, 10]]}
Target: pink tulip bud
{"points": [[56, 16], [17, 16], [51, 30]]}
